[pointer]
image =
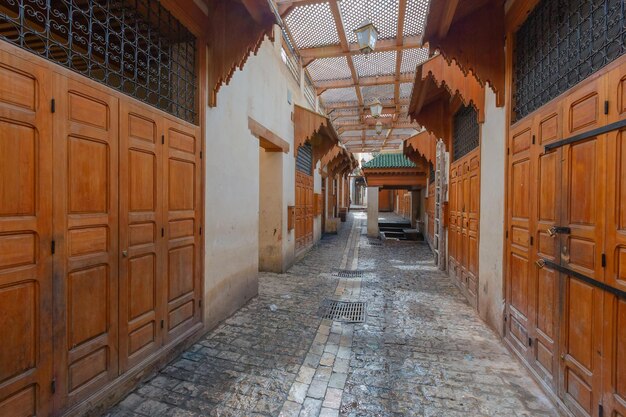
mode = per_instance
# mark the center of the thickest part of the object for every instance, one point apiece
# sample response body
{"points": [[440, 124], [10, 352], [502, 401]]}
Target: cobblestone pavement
{"points": [[422, 350]]}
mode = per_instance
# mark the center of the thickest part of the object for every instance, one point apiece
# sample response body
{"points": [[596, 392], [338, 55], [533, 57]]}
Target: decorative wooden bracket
{"points": [[471, 33]]}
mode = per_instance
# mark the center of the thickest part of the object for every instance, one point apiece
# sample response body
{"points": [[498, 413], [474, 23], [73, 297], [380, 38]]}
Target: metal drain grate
{"points": [[374, 243], [348, 273], [344, 311]]}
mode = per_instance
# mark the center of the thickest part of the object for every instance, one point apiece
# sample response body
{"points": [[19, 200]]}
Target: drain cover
{"points": [[344, 311], [374, 243], [348, 273]]}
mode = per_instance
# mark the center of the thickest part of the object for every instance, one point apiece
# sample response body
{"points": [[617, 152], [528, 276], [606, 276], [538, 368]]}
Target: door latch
{"points": [[554, 230], [540, 263]]}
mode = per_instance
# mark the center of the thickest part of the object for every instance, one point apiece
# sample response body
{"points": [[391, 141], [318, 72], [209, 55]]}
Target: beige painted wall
{"points": [[232, 196], [492, 160]]}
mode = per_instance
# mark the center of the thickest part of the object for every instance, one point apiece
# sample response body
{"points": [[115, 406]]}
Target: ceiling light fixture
{"points": [[376, 108], [366, 36]]}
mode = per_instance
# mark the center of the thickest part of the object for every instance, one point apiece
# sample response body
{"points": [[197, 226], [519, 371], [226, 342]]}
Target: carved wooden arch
{"points": [[449, 75], [422, 146], [315, 129], [471, 33], [237, 30]]}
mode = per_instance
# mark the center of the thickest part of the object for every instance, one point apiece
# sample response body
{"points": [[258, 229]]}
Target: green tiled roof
{"points": [[390, 160]]}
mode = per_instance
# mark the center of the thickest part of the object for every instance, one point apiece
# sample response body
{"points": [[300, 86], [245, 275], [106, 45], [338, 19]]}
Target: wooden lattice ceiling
{"points": [[347, 80]]}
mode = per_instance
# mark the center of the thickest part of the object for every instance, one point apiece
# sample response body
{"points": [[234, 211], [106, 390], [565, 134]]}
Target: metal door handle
{"points": [[540, 263], [552, 231], [125, 253]]}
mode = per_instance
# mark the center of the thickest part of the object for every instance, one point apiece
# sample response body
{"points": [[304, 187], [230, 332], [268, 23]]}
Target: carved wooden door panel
{"points": [[472, 209], [25, 238], [518, 293], [85, 229], [142, 262], [309, 210], [181, 230], [614, 338], [582, 211], [455, 219], [545, 213]]}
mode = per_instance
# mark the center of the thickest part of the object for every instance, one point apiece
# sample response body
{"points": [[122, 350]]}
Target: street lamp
{"points": [[379, 128], [366, 36], [376, 108]]}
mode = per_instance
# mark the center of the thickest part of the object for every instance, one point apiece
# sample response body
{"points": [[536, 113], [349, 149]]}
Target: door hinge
{"points": [[603, 260], [162, 139], [53, 246], [53, 106], [600, 410], [162, 232], [200, 303], [533, 139], [530, 341], [200, 154], [53, 386], [531, 240], [506, 235], [606, 107], [508, 151], [162, 323], [200, 229]]}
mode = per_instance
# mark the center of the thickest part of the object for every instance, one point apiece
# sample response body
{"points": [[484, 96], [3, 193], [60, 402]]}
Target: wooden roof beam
{"points": [[364, 81], [383, 45]]}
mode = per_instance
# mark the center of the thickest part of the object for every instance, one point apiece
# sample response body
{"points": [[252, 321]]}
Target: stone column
{"points": [[372, 211]]}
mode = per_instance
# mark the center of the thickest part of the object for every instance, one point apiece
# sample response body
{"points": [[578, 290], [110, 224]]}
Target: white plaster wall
{"points": [[260, 91], [492, 160]]}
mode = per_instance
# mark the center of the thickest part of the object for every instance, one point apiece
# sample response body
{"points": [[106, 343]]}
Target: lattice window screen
{"points": [[465, 135], [560, 44]]}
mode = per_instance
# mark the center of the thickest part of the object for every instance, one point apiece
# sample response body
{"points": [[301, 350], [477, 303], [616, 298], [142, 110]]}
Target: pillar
{"points": [[372, 211]]}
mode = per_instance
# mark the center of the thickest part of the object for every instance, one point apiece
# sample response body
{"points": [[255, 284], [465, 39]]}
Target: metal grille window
{"points": [[466, 133], [431, 173], [304, 160], [134, 46], [560, 44], [309, 91]]}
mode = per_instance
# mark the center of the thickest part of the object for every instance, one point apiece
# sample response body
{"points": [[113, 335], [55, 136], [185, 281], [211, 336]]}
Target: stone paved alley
{"points": [[422, 350]]}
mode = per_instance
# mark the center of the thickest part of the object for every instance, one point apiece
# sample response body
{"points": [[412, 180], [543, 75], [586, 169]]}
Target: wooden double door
{"points": [[100, 209], [463, 232], [304, 210], [566, 245]]}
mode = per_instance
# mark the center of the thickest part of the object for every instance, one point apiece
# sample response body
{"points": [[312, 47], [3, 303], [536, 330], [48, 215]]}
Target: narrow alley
{"points": [[421, 350]]}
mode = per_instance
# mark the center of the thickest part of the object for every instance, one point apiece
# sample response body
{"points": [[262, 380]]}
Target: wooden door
{"points": [[614, 337], [453, 241], [545, 201], [85, 230], [25, 238], [181, 228], [583, 199], [518, 291], [472, 204], [304, 210], [142, 261]]}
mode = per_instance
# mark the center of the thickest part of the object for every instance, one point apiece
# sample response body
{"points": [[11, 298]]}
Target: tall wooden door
{"points": [[614, 336], [85, 230], [304, 210], [142, 262], [25, 238], [581, 248], [464, 222], [182, 222]]}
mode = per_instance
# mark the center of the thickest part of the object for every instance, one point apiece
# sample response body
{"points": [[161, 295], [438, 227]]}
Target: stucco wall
{"points": [[492, 160], [261, 90]]}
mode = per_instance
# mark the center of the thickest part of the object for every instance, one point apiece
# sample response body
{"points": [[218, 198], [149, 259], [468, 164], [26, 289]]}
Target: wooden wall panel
{"points": [[464, 223], [142, 263], [25, 238], [85, 204], [182, 178]]}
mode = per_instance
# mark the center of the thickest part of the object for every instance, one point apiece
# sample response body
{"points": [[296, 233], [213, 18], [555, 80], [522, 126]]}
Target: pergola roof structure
{"points": [[347, 80]]}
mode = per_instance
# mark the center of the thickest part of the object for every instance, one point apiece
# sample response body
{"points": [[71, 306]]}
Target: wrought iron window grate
{"points": [[431, 173], [304, 159], [348, 273], [560, 44], [134, 46], [465, 136], [344, 311]]}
